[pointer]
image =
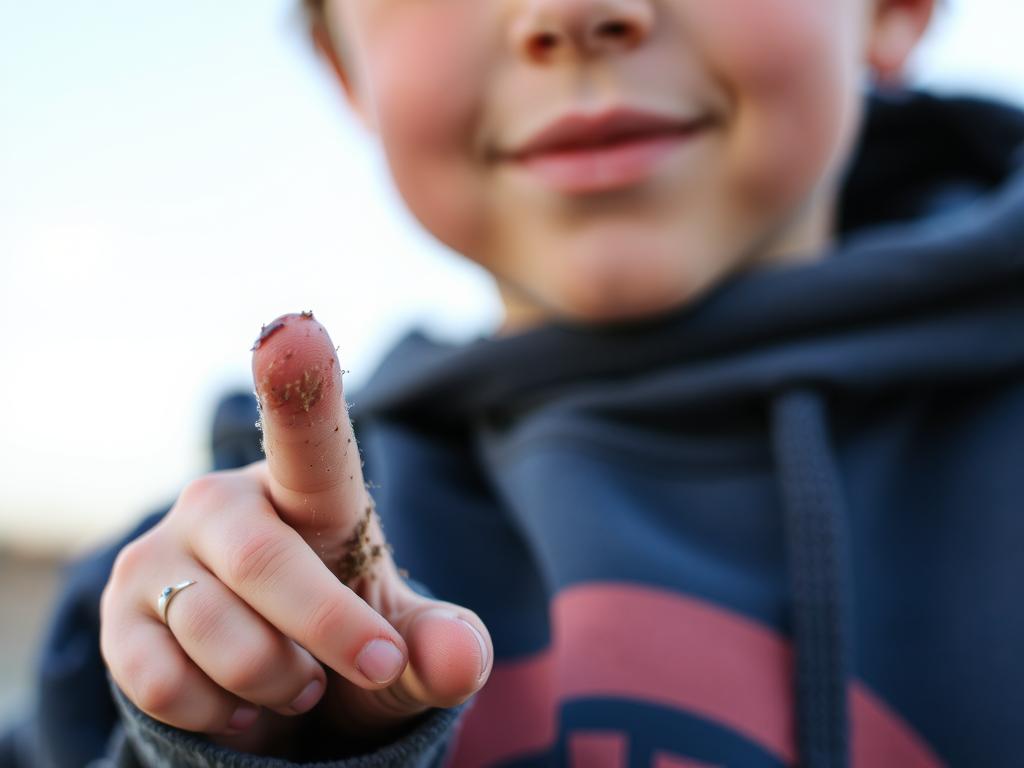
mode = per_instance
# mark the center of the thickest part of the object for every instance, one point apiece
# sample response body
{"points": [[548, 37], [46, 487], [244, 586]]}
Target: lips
{"points": [[579, 131], [585, 153]]}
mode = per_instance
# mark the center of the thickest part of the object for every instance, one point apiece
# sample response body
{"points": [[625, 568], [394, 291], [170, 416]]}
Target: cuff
{"points": [[158, 745]]}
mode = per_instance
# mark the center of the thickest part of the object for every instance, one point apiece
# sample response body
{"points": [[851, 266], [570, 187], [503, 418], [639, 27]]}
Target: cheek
{"points": [[792, 68], [426, 95]]}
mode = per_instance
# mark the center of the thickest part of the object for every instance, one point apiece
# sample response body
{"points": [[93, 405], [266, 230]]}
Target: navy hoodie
{"points": [[782, 524]]}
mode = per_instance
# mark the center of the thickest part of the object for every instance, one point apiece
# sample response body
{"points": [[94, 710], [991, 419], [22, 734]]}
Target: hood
{"points": [[930, 260], [923, 287]]}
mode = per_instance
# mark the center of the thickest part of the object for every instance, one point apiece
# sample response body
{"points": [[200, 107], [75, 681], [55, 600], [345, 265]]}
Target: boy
{"points": [[739, 481]]}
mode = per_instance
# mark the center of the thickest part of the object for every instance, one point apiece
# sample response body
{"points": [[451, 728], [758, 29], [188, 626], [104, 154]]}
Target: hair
{"points": [[312, 10], [312, 17]]}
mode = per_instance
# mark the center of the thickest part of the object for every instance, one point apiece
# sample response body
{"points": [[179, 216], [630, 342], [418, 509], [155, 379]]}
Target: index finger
{"points": [[315, 477], [263, 561]]}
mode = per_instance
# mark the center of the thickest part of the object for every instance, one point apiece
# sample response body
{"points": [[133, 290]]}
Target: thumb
{"points": [[450, 658], [314, 474], [450, 652]]}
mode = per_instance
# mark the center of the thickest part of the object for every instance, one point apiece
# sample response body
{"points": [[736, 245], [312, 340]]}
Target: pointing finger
{"points": [[314, 478]]}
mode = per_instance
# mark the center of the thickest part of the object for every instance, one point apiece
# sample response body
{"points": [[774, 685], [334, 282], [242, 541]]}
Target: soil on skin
{"points": [[360, 555]]}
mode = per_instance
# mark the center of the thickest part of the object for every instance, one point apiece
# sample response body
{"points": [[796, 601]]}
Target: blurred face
{"points": [[610, 159]]}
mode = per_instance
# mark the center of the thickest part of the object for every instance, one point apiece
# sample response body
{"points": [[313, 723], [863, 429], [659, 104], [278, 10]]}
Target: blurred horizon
{"points": [[171, 177]]}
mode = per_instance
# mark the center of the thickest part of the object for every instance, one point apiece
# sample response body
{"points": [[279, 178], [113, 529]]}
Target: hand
{"points": [[297, 601]]}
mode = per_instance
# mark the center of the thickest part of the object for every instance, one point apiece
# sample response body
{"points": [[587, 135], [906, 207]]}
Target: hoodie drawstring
{"points": [[816, 552]]}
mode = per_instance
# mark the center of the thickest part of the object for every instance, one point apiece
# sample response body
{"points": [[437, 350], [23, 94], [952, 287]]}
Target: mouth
{"points": [[614, 149]]}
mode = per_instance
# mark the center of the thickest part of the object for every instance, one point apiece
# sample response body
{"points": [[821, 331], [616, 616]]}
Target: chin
{"points": [[600, 301], [622, 290]]}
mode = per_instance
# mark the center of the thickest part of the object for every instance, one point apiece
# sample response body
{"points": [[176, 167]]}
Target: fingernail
{"points": [[483, 649], [243, 718], [380, 661], [306, 700]]}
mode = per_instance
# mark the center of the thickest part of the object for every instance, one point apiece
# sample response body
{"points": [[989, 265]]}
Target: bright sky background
{"points": [[172, 175]]}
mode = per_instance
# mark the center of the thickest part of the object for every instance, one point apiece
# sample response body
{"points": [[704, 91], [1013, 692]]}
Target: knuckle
{"points": [[254, 472], [325, 623], [257, 558], [131, 563], [209, 491], [130, 558], [157, 689], [249, 670]]}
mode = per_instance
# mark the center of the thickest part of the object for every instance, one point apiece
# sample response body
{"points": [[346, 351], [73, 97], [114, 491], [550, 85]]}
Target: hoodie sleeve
{"points": [[146, 743]]}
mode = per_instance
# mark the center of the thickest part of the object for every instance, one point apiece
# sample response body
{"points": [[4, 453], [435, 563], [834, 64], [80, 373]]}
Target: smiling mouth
{"points": [[608, 163]]}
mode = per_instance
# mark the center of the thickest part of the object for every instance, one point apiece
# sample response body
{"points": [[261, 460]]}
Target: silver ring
{"points": [[167, 594]]}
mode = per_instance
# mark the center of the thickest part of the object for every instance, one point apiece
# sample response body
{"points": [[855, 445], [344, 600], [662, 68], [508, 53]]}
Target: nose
{"points": [[547, 29]]}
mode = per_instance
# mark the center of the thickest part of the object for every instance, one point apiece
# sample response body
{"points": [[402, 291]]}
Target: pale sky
{"points": [[172, 175]]}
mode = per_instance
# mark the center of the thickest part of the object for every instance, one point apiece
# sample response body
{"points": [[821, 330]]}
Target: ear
{"points": [[896, 28], [328, 49]]}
